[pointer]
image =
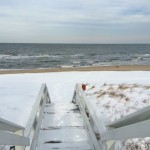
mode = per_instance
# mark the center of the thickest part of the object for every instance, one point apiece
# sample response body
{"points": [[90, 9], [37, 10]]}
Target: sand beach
{"points": [[97, 68]]}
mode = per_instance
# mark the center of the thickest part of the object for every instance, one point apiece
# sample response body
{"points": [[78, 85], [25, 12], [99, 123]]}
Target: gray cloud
{"points": [[75, 21]]}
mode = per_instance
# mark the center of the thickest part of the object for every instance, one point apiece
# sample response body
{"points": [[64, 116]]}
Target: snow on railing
{"points": [[136, 125], [31, 131]]}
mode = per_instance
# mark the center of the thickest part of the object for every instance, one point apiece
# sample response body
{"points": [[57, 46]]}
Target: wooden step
{"points": [[62, 128]]}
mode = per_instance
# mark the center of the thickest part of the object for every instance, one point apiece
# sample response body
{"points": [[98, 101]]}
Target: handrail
{"points": [[137, 130], [35, 119], [128, 126], [88, 115], [138, 116], [9, 136], [30, 132], [136, 125], [9, 126]]}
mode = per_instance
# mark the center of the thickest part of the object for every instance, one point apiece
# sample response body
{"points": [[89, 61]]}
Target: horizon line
{"points": [[65, 43]]}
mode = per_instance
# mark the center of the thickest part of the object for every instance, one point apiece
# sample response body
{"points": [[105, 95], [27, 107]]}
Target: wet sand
{"points": [[101, 68]]}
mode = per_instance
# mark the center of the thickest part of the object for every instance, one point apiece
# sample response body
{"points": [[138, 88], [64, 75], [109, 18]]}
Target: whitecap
{"points": [[3, 56]]}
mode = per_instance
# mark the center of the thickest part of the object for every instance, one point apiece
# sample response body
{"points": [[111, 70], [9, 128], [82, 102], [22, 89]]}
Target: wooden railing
{"points": [[89, 117], [35, 119], [29, 137], [12, 134], [136, 125]]}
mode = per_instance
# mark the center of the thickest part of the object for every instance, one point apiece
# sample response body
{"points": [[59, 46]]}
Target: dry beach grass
{"points": [[118, 100]]}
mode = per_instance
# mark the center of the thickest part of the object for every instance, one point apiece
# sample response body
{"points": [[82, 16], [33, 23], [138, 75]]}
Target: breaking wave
{"points": [[3, 56]]}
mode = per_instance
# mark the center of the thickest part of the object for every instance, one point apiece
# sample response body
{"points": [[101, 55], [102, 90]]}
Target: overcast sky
{"points": [[75, 21]]}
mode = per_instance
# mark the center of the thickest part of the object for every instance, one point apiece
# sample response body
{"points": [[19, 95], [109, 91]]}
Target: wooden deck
{"points": [[62, 128]]}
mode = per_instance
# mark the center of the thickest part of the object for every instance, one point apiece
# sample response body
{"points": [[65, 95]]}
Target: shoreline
{"points": [[96, 68]]}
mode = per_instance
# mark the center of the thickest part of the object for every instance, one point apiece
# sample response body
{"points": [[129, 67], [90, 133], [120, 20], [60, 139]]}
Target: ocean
{"points": [[31, 56]]}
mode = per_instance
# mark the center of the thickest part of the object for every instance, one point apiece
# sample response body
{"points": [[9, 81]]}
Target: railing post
{"points": [[21, 133], [74, 97]]}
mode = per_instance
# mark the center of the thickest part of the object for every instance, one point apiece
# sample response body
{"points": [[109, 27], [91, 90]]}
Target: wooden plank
{"points": [[65, 146], [7, 138], [137, 130], [68, 135], [9, 126]]}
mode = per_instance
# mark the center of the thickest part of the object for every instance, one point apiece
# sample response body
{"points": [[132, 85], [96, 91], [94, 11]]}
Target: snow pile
{"points": [[118, 100]]}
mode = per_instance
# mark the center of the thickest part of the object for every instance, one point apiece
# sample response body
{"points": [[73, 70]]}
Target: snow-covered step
{"points": [[62, 128], [65, 146], [62, 120], [60, 107]]}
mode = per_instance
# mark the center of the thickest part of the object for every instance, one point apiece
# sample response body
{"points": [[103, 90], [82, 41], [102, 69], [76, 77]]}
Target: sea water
{"points": [[30, 56]]}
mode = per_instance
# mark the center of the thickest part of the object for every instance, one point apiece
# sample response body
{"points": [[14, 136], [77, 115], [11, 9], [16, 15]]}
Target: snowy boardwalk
{"points": [[62, 128]]}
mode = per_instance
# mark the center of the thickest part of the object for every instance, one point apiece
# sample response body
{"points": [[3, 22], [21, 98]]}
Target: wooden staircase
{"points": [[62, 128]]}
